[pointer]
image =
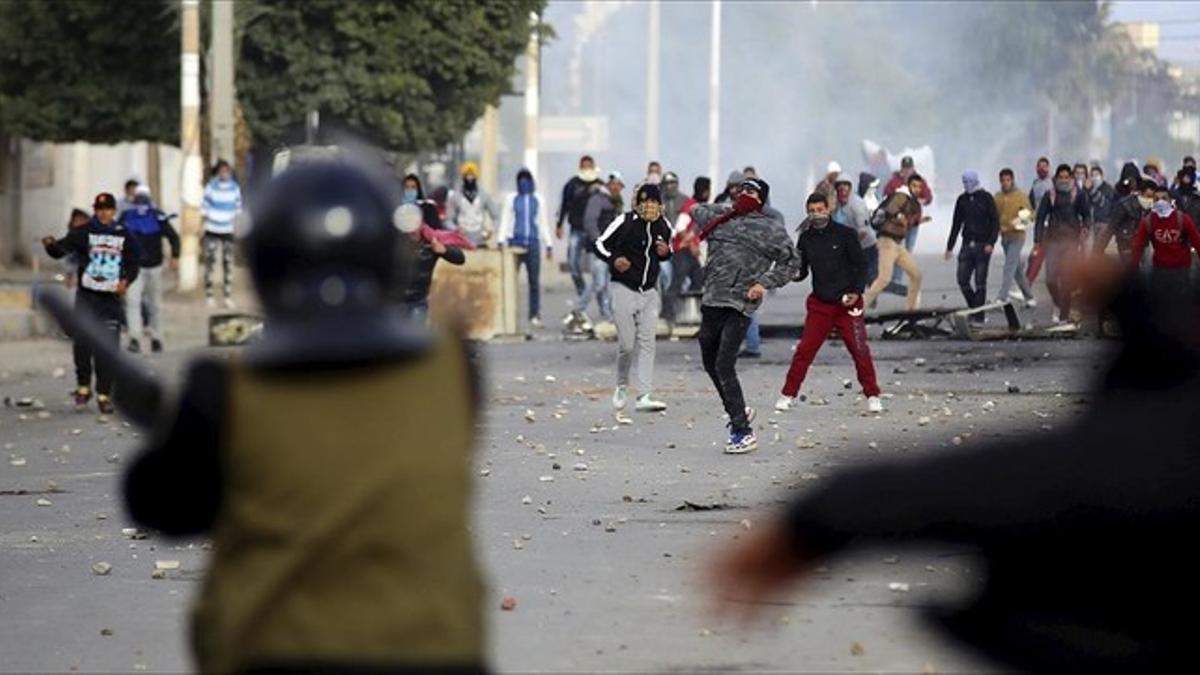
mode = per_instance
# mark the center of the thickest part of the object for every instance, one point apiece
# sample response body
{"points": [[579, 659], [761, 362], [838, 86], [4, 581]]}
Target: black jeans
{"points": [[721, 333], [973, 263], [687, 268], [109, 310]]}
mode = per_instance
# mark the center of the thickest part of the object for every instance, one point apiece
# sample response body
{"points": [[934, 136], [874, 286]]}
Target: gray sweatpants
{"points": [[1014, 269], [146, 289], [636, 317]]}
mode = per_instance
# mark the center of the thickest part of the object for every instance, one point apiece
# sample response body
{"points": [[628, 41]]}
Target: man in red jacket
{"points": [[1173, 235]]}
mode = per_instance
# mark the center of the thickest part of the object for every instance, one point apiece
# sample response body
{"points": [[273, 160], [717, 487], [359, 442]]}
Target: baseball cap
{"points": [[104, 200]]}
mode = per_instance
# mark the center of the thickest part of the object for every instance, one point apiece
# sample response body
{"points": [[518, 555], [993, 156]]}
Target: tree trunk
{"points": [[10, 219]]}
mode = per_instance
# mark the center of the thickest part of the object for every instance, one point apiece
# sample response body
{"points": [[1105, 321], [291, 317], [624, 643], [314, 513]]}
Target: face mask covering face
{"points": [[818, 220], [746, 203], [410, 195], [1063, 185], [1162, 208]]}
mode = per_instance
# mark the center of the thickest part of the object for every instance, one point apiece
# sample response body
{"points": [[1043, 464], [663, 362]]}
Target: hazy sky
{"points": [[1180, 21]]}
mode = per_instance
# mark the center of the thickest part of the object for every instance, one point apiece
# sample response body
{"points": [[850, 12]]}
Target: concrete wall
{"points": [[56, 177]]}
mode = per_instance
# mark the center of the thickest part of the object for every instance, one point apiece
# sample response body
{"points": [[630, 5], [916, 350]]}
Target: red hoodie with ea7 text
{"points": [[1173, 239]]}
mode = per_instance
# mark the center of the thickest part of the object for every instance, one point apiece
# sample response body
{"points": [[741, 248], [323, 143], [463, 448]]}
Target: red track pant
{"points": [[822, 318]]}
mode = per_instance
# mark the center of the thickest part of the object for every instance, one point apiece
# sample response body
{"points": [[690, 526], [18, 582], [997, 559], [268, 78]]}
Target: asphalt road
{"points": [[621, 595]]}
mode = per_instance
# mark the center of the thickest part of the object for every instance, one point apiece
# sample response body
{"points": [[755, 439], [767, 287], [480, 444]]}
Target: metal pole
{"points": [[654, 26], [532, 105], [714, 100], [221, 98], [192, 177]]}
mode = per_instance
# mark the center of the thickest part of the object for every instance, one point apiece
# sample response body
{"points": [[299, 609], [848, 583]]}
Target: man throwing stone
{"points": [[748, 253]]}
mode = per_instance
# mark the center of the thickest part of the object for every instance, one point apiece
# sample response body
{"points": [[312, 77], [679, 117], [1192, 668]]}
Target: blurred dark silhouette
{"points": [[1085, 531]]}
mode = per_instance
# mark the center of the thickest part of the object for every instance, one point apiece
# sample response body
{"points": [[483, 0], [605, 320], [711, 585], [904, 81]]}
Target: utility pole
{"points": [[191, 179], [488, 168], [221, 98], [714, 97], [532, 105], [654, 29]]}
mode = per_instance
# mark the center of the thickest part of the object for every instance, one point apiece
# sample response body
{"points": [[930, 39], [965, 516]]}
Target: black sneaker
{"points": [[104, 404], [82, 396], [745, 354], [135, 347], [156, 345]]}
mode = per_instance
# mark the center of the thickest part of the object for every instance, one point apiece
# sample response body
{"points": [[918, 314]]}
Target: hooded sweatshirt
{"points": [[975, 215], [1186, 197], [1103, 198], [751, 248], [735, 178], [524, 222], [1062, 215], [854, 215], [1127, 183], [149, 225]]}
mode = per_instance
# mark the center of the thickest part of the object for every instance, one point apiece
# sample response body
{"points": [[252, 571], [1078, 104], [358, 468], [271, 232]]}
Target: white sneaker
{"points": [[620, 397], [1016, 295], [785, 403], [751, 414], [536, 322], [1031, 303], [874, 404], [647, 404], [229, 303]]}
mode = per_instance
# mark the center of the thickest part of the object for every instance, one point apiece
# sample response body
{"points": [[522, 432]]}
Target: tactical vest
{"points": [[343, 536]]}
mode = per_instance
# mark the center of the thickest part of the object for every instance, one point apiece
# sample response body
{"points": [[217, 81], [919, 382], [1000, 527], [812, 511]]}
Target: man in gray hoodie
{"points": [[749, 252]]}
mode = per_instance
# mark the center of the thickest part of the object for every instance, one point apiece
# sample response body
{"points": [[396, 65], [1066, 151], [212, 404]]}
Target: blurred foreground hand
{"points": [[759, 570]]}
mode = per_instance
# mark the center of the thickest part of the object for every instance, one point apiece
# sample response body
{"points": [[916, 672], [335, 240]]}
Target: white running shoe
{"points": [[536, 322], [1031, 303], [620, 397], [1016, 295], [874, 404], [647, 404], [785, 403]]}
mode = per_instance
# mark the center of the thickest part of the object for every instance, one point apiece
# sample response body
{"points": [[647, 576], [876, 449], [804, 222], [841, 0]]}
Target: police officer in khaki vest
{"points": [[330, 461]]}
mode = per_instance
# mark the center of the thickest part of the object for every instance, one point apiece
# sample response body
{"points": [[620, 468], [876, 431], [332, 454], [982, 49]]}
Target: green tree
{"points": [[94, 71], [408, 75]]}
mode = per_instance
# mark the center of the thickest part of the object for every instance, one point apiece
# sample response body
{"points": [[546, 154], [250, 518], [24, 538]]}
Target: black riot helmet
{"points": [[326, 253]]}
